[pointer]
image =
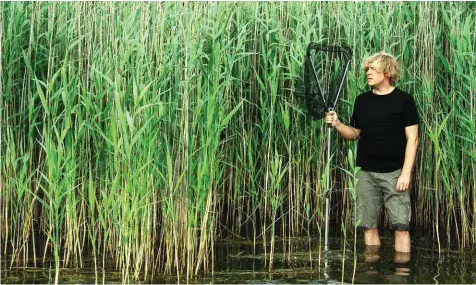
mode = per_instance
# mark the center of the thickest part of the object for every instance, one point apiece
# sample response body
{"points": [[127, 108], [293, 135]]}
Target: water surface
{"points": [[297, 260]]}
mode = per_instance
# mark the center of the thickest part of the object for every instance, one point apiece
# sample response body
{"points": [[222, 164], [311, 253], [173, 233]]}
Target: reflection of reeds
{"points": [[141, 132]]}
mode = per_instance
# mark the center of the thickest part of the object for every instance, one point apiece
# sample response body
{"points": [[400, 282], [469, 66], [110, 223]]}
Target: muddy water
{"points": [[298, 260]]}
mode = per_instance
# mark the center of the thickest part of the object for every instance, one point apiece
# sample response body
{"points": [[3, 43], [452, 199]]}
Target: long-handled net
{"points": [[325, 70]]}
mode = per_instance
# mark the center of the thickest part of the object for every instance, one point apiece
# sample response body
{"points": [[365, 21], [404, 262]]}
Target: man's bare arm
{"points": [[411, 132], [346, 132]]}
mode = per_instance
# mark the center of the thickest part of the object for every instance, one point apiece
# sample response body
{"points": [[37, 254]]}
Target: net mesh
{"points": [[325, 68]]}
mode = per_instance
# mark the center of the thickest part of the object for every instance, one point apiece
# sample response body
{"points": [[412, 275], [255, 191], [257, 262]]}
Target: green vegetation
{"points": [[144, 132]]}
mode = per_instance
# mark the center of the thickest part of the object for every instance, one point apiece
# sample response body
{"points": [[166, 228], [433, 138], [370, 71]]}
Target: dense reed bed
{"points": [[145, 132]]}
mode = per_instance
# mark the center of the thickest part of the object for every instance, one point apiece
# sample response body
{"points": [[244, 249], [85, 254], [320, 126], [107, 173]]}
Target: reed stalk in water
{"points": [[144, 132]]}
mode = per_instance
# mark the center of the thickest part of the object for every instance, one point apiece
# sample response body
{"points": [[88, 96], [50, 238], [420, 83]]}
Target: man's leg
{"points": [[368, 206], [371, 237], [399, 209], [402, 241]]}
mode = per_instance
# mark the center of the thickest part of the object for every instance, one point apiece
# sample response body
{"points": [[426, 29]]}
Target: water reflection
{"points": [[402, 260], [375, 268], [301, 261], [372, 253]]}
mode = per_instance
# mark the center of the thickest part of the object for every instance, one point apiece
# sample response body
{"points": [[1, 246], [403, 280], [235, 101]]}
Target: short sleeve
{"points": [[354, 120], [410, 113]]}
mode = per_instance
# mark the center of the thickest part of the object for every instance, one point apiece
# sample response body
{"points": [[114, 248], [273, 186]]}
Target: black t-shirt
{"points": [[382, 120]]}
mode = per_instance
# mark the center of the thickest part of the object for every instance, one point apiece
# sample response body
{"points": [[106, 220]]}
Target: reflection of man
{"points": [[372, 253], [401, 259], [401, 266], [377, 273], [385, 121]]}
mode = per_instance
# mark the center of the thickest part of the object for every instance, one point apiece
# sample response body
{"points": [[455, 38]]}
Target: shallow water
{"points": [[237, 262]]}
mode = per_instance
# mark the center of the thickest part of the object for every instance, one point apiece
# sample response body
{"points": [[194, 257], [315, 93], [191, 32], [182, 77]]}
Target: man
{"points": [[385, 121]]}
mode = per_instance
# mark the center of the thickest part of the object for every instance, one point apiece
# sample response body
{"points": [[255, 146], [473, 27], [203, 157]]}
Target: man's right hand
{"points": [[331, 119]]}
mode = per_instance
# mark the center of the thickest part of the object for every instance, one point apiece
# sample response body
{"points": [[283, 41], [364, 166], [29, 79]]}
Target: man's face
{"points": [[375, 77]]}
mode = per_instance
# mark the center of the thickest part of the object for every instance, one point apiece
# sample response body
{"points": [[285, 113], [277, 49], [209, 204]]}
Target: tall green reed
{"points": [[144, 132]]}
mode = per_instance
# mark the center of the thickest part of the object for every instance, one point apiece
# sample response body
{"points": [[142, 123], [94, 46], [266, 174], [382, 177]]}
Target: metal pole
{"points": [[328, 188]]}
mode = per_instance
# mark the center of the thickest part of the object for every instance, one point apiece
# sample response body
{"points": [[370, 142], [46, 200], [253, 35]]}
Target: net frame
{"points": [[318, 103]]}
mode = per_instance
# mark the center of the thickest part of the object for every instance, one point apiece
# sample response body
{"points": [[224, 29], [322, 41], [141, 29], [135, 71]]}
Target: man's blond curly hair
{"points": [[386, 63]]}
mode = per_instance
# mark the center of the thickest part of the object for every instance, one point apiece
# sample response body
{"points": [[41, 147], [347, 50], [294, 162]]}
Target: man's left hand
{"points": [[403, 182]]}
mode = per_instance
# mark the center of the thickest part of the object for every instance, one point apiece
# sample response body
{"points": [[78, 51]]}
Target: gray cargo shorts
{"points": [[371, 189]]}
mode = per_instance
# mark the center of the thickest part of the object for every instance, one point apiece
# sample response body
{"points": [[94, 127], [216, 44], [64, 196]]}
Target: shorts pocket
{"points": [[397, 173]]}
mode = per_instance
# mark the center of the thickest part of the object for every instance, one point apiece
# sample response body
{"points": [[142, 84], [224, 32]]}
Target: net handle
{"points": [[347, 55]]}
